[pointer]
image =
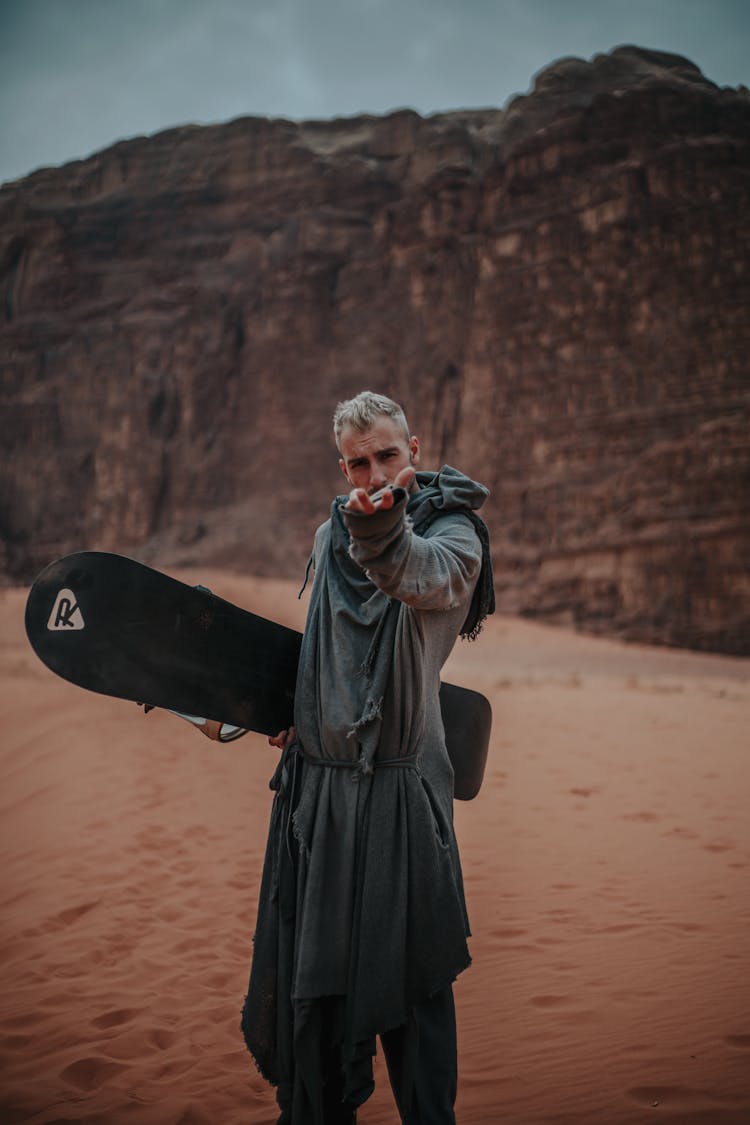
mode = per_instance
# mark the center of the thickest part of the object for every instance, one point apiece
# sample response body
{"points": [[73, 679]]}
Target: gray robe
{"points": [[362, 897]]}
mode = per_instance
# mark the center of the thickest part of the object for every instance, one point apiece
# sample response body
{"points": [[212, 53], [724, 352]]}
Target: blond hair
{"points": [[362, 411]]}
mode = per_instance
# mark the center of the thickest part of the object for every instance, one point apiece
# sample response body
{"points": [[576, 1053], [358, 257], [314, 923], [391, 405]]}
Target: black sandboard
{"points": [[117, 627]]}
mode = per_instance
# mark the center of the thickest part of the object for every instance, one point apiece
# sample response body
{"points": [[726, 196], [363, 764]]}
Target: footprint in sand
{"points": [[550, 1001], [14, 1042], [193, 1115], [62, 920], [115, 1018], [162, 1038], [24, 1020], [91, 1073], [741, 1042], [509, 932], [686, 927], [221, 1014], [186, 945], [134, 1043], [682, 833], [175, 1069]]}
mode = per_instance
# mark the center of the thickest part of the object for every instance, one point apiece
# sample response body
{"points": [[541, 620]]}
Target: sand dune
{"points": [[606, 861]]}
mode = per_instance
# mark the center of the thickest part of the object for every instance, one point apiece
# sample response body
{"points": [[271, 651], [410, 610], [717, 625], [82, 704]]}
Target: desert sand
{"points": [[607, 868]]}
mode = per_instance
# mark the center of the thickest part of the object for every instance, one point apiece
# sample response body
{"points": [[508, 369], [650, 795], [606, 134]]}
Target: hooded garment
{"points": [[362, 897]]}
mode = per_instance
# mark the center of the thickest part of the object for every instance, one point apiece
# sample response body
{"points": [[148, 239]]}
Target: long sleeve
{"points": [[434, 571]]}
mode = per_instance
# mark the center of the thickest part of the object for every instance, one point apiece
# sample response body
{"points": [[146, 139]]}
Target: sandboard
{"points": [[114, 626]]}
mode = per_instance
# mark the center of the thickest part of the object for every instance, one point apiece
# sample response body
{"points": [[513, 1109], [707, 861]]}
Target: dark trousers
{"points": [[421, 1060]]}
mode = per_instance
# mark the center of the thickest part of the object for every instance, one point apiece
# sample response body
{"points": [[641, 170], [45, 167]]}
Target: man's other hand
{"points": [[283, 739]]}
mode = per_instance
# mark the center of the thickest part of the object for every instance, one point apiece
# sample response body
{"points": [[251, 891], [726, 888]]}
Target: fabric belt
{"points": [[360, 766]]}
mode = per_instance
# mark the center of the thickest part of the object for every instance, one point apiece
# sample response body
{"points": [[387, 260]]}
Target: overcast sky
{"points": [[78, 75]]}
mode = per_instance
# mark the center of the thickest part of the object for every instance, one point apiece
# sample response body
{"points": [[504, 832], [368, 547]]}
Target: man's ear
{"points": [[414, 449], [342, 466]]}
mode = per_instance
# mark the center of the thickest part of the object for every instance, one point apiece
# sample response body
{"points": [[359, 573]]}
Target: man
{"points": [[362, 923]]}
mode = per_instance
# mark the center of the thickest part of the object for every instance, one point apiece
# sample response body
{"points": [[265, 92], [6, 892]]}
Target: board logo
{"points": [[66, 613]]}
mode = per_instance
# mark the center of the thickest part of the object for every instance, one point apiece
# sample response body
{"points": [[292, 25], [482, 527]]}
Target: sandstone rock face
{"points": [[558, 292]]}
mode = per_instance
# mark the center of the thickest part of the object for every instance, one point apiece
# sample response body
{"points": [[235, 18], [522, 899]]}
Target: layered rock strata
{"points": [[557, 291]]}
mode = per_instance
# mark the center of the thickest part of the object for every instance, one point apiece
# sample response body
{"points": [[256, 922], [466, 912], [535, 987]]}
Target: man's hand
{"points": [[360, 501], [283, 739]]}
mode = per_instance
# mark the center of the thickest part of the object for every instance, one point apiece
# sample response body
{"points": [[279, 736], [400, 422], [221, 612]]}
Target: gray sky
{"points": [[78, 75]]}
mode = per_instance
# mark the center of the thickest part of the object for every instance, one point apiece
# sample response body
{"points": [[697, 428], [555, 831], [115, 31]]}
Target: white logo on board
{"points": [[66, 613]]}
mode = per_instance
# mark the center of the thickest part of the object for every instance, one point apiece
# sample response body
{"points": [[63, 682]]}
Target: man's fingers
{"points": [[405, 478], [359, 501]]}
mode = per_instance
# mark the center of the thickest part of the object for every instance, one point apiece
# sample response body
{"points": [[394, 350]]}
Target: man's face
{"points": [[372, 458]]}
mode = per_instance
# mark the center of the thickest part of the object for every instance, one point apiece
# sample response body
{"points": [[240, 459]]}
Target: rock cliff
{"points": [[557, 291]]}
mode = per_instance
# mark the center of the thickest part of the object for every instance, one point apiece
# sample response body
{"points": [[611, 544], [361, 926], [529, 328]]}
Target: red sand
{"points": [[606, 864]]}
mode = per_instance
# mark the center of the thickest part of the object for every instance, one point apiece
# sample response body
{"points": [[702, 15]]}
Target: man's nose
{"points": [[377, 477]]}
